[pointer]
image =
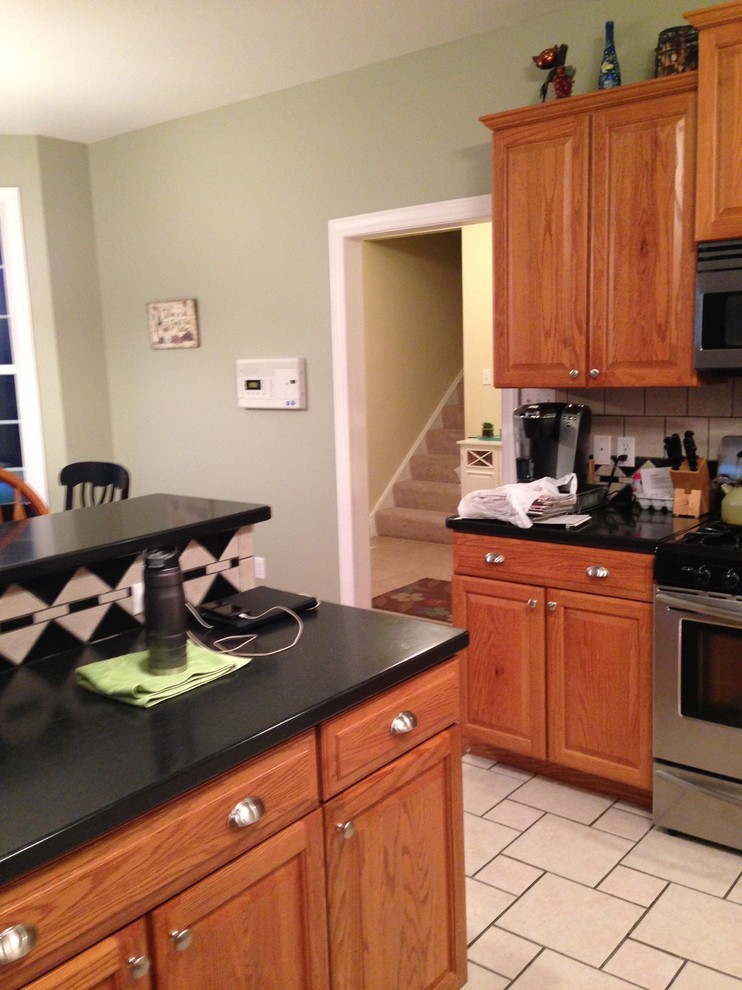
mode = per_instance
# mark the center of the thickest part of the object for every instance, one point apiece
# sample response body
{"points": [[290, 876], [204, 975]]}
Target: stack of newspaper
{"points": [[546, 506]]}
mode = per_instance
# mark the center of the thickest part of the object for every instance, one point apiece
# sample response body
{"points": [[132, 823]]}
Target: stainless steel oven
{"points": [[697, 743]]}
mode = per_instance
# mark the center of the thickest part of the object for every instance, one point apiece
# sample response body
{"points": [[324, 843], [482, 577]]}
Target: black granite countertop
{"points": [[74, 765], [80, 536], [613, 527]]}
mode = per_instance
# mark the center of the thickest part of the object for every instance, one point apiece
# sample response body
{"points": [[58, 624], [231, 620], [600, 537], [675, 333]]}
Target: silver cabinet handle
{"points": [[494, 558], [138, 966], [573, 373], [594, 372], [551, 606], [346, 829], [532, 603], [404, 722], [16, 942], [181, 939], [597, 571], [246, 813]]}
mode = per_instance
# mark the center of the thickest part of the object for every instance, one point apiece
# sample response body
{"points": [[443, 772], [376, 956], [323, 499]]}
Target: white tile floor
{"points": [[569, 890]]}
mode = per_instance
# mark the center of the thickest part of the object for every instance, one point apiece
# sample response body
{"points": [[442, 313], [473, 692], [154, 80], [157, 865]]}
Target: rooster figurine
{"points": [[561, 75]]}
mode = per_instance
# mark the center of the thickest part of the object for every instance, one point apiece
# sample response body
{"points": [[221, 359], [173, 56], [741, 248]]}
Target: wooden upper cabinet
{"points": [[593, 249], [540, 251], [719, 191]]}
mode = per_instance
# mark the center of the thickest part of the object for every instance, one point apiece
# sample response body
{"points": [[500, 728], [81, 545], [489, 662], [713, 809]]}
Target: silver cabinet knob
{"points": [[532, 603], [346, 829], [494, 558], [16, 942], [597, 571], [181, 939], [138, 966], [246, 813], [551, 606], [404, 722], [594, 372], [574, 373]]}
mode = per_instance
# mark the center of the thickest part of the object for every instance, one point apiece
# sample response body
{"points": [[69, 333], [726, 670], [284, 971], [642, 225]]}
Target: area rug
{"points": [[427, 598]]}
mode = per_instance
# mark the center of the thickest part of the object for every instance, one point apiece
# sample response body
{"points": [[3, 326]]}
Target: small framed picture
{"points": [[173, 324]]}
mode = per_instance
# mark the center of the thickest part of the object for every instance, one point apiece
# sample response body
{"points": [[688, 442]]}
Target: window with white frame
{"points": [[21, 439]]}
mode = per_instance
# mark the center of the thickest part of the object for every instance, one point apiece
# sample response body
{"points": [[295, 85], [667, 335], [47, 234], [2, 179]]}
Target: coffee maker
{"points": [[551, 440]]}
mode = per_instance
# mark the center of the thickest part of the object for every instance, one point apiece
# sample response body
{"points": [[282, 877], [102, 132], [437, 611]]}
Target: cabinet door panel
{"points": [[103, 967], [643, 255], [256, 924], [599, 686], [395, 886], [719, 197], [540, 243], [504, 665]]}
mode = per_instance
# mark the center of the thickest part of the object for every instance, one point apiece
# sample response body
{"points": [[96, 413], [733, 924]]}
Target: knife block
{"points": [[692, 490]]}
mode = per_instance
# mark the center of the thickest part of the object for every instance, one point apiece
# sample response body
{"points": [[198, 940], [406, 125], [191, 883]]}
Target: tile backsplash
{"points": [[711, 410]]}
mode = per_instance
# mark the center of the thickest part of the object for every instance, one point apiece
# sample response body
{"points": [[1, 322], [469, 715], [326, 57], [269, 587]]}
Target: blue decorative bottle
{"points": [[610, 72]]}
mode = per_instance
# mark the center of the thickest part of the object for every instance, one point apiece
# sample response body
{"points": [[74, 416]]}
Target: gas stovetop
{"points": [[708, 556]]}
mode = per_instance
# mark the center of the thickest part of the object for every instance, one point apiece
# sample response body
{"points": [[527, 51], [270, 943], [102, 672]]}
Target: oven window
{"points": [[722, 320], [711, 673]]}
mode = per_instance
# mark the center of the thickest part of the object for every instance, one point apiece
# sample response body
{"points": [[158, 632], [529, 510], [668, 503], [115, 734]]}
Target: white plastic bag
{"points": [[510, 503]]}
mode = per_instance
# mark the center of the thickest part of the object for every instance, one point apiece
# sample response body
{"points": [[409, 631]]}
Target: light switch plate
{"points": [[602, 449]]}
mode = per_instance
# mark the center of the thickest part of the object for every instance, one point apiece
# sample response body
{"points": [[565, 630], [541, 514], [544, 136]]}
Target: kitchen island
{"points": [[110, 812]]}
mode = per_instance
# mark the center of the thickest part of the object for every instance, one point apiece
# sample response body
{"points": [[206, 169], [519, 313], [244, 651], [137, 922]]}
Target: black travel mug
{"points": [[164, 611]]}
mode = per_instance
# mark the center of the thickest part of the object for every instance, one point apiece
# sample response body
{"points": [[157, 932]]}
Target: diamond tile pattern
{"points": [[575, 891], [68, 607]]}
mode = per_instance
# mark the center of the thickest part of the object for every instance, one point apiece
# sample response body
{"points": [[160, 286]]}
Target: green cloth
{"points": [[128, 679]]}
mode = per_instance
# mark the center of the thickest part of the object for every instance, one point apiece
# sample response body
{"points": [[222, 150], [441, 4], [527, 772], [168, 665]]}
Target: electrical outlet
{"points": [[625, 445], [602, 448], [486, 376], [259, 568]]}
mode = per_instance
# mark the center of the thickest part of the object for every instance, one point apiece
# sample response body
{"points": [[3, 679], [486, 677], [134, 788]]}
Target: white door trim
{"points": [[346, 238]]}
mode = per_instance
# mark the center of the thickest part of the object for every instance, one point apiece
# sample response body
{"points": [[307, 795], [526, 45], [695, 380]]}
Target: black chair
{"points": [[93, 483]]}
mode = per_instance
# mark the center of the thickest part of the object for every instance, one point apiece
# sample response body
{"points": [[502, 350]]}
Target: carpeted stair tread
{"points": [[437, 495], [442, 441], [453, 419], [414, 524], [435, 467]]}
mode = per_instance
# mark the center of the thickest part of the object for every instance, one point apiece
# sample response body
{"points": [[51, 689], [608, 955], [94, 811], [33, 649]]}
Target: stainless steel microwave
{"points": [[718, 335]]}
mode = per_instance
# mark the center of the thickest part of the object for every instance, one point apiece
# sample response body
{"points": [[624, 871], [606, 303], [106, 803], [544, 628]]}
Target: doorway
{"points": [[346, 238]]}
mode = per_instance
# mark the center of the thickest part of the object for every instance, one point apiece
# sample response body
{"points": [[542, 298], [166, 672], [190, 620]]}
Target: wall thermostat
{"points": [[271, 384]]}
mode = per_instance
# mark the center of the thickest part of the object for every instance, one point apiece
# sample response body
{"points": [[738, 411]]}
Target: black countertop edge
{"points": [[43, 851], [21, 560], [624, 528]]}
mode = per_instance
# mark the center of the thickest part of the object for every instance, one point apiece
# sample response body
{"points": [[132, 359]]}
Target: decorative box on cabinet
{"points": [[593, 201], [481, 464], [558, 667], [719, 183]]}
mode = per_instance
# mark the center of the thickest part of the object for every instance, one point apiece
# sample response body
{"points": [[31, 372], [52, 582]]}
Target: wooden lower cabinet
{"points": [[558, 675], [117, 963], [257, 923], [395, 873], [599, 686], [183, 899]]}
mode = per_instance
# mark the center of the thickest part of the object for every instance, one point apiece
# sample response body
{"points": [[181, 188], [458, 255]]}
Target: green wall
{"points": [[231, 207]]}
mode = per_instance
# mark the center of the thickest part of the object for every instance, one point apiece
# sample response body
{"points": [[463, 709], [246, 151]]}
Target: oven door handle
{"points": [[708, 608], [694, 786]]}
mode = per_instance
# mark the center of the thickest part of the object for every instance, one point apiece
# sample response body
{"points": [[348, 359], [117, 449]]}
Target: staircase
{"points": [[422, 502]]}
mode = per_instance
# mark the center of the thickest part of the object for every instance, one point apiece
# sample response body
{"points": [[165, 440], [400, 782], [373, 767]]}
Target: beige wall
{"points": [[482, 403], [413, 332], [231, 207]]}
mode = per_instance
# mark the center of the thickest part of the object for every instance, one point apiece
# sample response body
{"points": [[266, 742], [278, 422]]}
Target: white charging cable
{"points": [[220, 645]]}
